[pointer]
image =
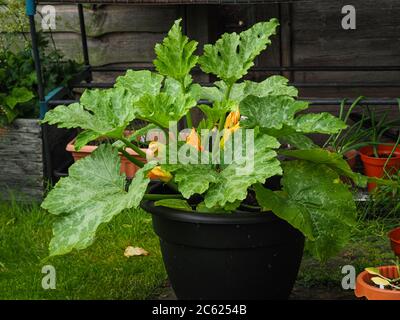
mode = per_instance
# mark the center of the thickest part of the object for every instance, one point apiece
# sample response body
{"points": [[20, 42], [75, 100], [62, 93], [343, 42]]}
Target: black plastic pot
{"points": [[242, 255]]}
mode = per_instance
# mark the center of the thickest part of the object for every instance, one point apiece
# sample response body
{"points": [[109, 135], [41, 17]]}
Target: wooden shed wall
{"points": [[311, 30]]}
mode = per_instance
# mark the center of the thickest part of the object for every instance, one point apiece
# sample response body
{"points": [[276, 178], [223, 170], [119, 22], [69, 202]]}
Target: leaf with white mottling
{"points": [[175, 56], [232, 55], [316, 202], [271, 112], [93, 193], [140, 82], [334, 160], [232, 185], [102, 112], [318, 123]]}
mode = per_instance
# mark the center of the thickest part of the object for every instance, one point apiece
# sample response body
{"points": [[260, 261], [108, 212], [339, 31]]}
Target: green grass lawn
{"points": [[103, 272], [99, 272], [369, 247]]}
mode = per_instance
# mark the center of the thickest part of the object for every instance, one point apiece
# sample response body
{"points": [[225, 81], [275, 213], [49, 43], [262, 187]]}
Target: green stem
{"points": [[223, 117], [391, 154], [129, 144], [155, 197], [132, 159], [189, 121]]}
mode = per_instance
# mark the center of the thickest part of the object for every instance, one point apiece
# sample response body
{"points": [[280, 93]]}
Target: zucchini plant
{"points": [[313, 198]]}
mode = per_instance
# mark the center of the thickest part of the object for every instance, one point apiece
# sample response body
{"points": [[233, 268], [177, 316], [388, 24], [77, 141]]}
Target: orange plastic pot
{"points": [[394, 237], [373, 167], [127, 167], [365, 287]]}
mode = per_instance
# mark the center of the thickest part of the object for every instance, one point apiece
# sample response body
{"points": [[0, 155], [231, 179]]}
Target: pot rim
{"points": [[397, 241], [366, 286], [237, 217], [89, 149], [366, 155]]}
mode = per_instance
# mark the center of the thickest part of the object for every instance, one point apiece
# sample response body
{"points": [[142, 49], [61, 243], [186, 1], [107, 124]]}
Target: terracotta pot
{"points": [[394, 237], [351, 157], [365, 287], [127, 167], [373, 167]]}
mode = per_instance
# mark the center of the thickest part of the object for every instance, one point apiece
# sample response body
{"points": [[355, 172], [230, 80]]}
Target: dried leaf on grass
{"points": [[135, 251]]}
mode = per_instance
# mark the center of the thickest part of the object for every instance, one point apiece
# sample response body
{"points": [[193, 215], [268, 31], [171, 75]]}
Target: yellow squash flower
{"points": [[194, 140], [160, 174], [231, 125], [232, 119]]}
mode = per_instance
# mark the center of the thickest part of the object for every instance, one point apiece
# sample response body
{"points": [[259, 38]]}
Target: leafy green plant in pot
{"points": [[346, 142], [380, 159], [223, 232], [381, 283]]}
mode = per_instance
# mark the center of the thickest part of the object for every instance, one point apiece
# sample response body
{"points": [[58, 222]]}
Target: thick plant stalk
{"points": [[129, 144], [132, 159]]}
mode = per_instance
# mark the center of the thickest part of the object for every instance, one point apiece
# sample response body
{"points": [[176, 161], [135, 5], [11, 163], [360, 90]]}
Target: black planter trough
{"points": [[242, 255]]}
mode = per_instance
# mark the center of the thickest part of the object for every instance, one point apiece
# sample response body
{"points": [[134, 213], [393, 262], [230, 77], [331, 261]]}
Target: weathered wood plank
{"points": [[113, 18], [21, 161], [319, 39], [111, 48]]}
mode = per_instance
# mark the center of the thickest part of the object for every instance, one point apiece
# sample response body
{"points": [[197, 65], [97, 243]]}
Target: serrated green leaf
{"points": [[334, 160], [232, 185], [93, 193], [192, 179], [232, 55], [104, 112], [272, 86], [316, 202], [279, 113], [174, 204], [175, 56], [318, 123], [270, 112], [163, 108], [280, 203], [140, 82]]}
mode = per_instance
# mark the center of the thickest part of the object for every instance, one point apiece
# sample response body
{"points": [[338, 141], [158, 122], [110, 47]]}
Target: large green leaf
{"points": [[93, 193], [175, 56], [234, 180], [279, 112], [332, 159], [140, 82], [298, 140], [100, 112], [318, 123], [272, 86], [192, 179], [163, 108], [271, 112], [232, 55], [316, 202]]}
